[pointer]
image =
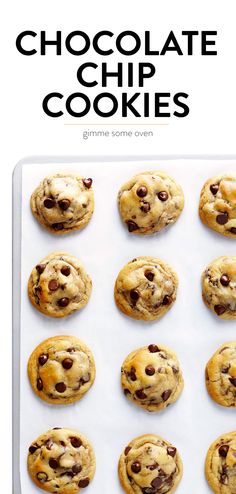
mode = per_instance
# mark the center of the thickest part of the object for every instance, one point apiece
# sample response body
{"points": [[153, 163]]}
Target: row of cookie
{"points": [[145, 288], [148, 202], [62, 369], [63, 461]]}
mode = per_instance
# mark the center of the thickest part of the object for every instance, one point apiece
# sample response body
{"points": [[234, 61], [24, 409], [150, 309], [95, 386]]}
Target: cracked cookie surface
{"points": [[61, 370], [59, 285], [219, 287], [151, 377], [150, 465], [220, 465], [61, 461], [146, 288], [221, 375], [63, 202], [217, 208], [149, 202]]}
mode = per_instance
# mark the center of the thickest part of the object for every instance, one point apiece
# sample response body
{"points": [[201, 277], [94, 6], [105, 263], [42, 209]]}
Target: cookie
{"points": [[217, 208], [221, 375], [61, 461], [149, 202], [59, 285], [150, 465], [63, 202], [61, 370], [219, 287], [146, 288], [220, 465], [151, 377]]}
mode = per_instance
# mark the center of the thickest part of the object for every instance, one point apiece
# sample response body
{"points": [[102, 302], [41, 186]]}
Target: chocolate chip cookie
{"points": [[150, 465], [61, 461], [146, 288], [151, 377], [59, 285], [63, 202], [220, 466], [221, 375], [61, 370], [219, 287], [217, 206], [149, 202]]}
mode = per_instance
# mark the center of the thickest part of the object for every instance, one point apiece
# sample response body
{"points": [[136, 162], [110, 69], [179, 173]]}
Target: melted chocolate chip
{"points": [[76, 468], [84, 483], [53, 285], [53, 463], [166, 300], [127, 450], [60, 387], [49, 203], [134, 295], [65, 270], [57, 226], [33, 448], [43, 358], [76, 442], [171, 451], [40, 268], [224, 280], [63, 302], [132, 226], [64, 204], [156, 483], [214, 189], [87, 182], [140, 394], [222, 218], [223, 450], [39, 384], [163, 196], [233, 230], [67, 363], [149, 370], [142, 191], [219, 309], [233, 380], [42, 477], [166, 394], [136, 467], [149, 275], [153, 349], [145, 207]]}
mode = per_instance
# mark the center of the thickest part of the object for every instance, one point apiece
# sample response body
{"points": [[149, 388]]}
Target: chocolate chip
{"points": [[87, 182], [56, 428], [127, 450], [150, 370], [152, 467], [214, 189], [132, 226], [153, 349], [84, 482], [49, 203], [60, 387], [223, 450], [166, 300], [64, 204], [233, 380], [224, 280], [163, 196], [142, 191], [49, 444], [145, 207], [233, 230], [134, 295], [132, 374], [53, 463], [149, 275], [65, 270], [53, 285], [140, 394], [225, 370], [76, 442], [71, 350], [171, 451], [219, 309], [76, 468], [224, 479], [42, 477], [43, 358], [156, 483], [33, 448], [63, 302], [67, 363], [39, 384], [136, 467], [222, 218], [175, 369], [57, 226], [166, 394], [40, 268], [127, 391]]}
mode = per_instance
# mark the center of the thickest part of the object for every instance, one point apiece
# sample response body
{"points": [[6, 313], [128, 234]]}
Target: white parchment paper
{"points": [[108, 419]]}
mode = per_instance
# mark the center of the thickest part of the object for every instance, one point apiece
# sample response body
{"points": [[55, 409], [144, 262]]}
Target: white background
{"points": [[25, 130]]}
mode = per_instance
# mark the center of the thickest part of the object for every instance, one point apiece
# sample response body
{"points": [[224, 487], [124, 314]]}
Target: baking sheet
{"points": [[108, 419]]}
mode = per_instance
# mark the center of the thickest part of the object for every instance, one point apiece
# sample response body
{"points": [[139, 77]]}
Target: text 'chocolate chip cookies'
{"points": [[150, 465], [221, 375], [151, 377], [59, 285], [149, 202], [63, 203], [61, 370], [217, 208], [146, 288], [220, 465], [61, 461], [219, 287]]}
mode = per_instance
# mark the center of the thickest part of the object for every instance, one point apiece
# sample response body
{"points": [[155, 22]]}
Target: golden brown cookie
{"points": [[63, 202], [150, 465], [151, 377], [61, 461], [59, 285], [149, 202], [217, 206], [219, 287], [220, 465], [61, 370], [146, 288], [221, 375]]}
